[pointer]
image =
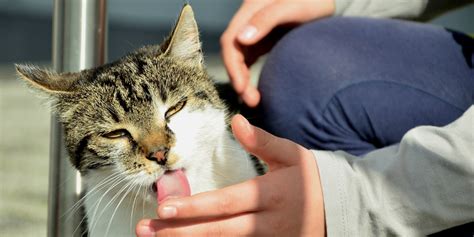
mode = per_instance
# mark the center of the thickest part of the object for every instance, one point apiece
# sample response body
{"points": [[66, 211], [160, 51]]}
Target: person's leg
{"points": [[357, 84]]}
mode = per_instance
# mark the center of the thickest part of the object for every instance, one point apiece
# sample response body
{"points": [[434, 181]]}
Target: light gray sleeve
{"points": [[380, 8], [421, 186]]}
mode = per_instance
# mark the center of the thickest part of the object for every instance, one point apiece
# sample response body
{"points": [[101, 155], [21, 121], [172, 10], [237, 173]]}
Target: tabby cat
{"points": [[148, 126]]}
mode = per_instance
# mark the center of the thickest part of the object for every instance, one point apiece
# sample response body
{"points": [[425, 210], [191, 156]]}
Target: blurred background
{"points": [[25, 37]]}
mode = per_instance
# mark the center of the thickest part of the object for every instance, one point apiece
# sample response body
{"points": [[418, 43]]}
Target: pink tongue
{"points": [[172, 184]]}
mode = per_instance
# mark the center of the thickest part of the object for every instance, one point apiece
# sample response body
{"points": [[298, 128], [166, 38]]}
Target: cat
{"points": [[152, 114]]}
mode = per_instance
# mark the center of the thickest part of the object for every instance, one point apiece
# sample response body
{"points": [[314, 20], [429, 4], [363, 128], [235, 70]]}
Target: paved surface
{"points": [[24, 156], [24, 141]]}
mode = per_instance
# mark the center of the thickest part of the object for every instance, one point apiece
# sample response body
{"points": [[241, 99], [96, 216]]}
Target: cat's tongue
{"points": [[172, 184]]}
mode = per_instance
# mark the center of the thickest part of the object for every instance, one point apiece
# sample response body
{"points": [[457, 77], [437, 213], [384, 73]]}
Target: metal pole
{"points": [[79, 42]]}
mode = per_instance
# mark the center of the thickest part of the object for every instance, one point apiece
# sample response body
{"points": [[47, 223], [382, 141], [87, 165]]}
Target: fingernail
{"points": [[246, 125], [168, 212], [248, 33], [145, 231]]}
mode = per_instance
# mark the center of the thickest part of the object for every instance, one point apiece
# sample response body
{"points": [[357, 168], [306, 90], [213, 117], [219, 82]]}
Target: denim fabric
{"points": [[358, 84]]}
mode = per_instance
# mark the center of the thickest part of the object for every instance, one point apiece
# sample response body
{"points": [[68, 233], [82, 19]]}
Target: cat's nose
{"points": [[160, 155]]}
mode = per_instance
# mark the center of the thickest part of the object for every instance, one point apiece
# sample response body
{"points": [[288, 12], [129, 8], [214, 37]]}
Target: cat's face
{"points": [[149, 112]]}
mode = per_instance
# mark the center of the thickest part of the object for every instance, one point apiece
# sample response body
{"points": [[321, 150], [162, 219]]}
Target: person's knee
{"points": [[317, 52], [299, 67], [304, 63]]}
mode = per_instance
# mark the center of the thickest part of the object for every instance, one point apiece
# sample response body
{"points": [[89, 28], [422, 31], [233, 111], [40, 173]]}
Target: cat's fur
{"points": [[115, 115]]}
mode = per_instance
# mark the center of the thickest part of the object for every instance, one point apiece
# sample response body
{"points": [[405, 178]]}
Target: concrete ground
{"points": [[24, 142], [24, 155]]}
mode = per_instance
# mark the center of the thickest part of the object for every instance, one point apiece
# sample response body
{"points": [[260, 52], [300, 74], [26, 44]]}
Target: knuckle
{"points": [[275, 200], [188, 208], [225, 37], [224, 206], [265, 144]]}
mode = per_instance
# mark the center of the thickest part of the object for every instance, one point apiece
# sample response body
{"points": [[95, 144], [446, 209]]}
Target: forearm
{"points": [[380, 8], [408, 9], [419, 187]]}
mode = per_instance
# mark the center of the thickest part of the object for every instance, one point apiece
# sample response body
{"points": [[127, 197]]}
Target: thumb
{"points": [[276, 152], [264, 21]]}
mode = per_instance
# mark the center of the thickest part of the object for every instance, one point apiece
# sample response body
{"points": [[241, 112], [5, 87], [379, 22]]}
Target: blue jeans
{"points": [[357, 84]]}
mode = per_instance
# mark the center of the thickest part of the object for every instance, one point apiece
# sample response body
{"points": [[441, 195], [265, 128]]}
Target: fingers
{"points": [[238, 71], [234, 62], [245, 30], [223, 202], [283, 12], [264, 21], [275, 151], [233, 55], [251, 96], [241, 225]]}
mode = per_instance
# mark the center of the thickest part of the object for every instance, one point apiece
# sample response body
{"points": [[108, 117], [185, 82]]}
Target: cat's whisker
{"points": [[80, 202], [111, 183], [133, 204], [112, 187], [115, 196], [231, 148], [130, 186], [79, 225], [96, 220], [144, 201], [97, 188], [226, 178]]}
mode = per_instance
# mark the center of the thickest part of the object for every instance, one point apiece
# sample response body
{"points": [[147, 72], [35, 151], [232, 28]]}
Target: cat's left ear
{"points": [[184, 43], [48, 82]]}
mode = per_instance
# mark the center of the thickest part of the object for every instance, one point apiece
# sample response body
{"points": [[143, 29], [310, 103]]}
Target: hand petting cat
{"points": [[287, 201], [245, 39]]}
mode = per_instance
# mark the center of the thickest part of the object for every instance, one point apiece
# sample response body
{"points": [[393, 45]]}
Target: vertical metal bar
{"points": [[79, 42]]}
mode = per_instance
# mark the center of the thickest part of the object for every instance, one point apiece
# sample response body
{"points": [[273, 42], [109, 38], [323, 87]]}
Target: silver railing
{"points": [[79, 42]]}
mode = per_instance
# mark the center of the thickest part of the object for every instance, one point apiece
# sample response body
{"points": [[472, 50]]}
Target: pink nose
{"points": [[160, 156]]}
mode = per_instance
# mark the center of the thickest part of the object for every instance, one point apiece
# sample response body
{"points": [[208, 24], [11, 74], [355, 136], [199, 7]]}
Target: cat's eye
{"points": [[120, 133], [175, 109]]}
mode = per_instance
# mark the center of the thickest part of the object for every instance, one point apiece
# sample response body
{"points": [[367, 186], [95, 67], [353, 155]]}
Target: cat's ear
{"points": [[47, 81], [184, 43]]}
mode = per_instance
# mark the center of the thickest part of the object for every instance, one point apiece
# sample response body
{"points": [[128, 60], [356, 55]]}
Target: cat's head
{"points": [[153, 110]]}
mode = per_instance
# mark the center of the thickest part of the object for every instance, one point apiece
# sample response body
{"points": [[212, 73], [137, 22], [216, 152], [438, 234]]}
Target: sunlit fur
{"points": [[134, 94]]}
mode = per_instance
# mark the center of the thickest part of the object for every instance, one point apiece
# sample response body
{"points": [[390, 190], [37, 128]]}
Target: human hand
{"points": [[243, 41], [287, 201]]}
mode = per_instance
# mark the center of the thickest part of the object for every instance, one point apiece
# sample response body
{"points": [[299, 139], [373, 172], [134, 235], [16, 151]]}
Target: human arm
{"points": [[407, 9], [419, 187], [380, 8]]}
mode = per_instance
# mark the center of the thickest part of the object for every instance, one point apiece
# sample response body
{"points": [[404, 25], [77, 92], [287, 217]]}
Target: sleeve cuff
{"points": [[334, 189], [340, 6], [380, 8]]}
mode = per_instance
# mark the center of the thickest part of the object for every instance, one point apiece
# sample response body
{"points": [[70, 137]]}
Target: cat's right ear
{"points": [[184, 43], [47, 81]]}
